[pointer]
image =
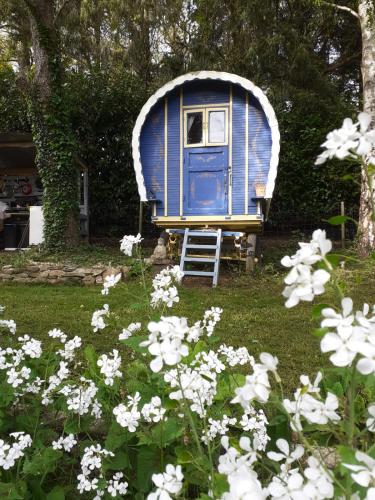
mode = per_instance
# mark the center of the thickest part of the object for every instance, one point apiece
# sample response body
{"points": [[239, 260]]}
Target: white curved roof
{"points": [[208, 75]]}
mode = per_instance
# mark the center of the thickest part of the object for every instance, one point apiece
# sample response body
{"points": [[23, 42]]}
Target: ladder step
{"points": [[200, 259], [205, 247], [198, 273], [211, 234]]}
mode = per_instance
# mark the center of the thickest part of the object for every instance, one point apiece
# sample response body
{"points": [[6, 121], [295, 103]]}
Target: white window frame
{"points": [[205, 133]]}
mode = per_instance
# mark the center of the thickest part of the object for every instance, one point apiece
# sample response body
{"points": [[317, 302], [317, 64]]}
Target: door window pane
{"points": [[194, 127], [216, 126]]}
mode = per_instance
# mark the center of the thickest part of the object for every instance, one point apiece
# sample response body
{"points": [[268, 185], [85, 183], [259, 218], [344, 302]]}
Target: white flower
{"points": [[286, 454], [91, 464], [109, 282], [9, 453], [167, 483], [319, 484], [127, 243], [233, 461], [127, 417], [363, 474], [216, 427], [370, 422], [9, 324], [116, 487], [109, 366], [257, 386], [164, 290], [235, 357], [81, 399], [31, 347], [308, 405], [97, 321], [70, 347], [351, 139], [66, 443], [16, 378], [211, 318], [244, 485], [128, 332], [165, 341], [334, 319], [290, 488], [58, 334], [346, 343], [153, 411], [303, 283]]}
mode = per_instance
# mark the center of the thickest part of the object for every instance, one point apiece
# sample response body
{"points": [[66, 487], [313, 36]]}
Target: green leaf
{"points": [[147, 464], [42, 462], [184, 456], [337, 220], [320, 332], [56, 494], [134, 342], [116, 437], [119, 462]]}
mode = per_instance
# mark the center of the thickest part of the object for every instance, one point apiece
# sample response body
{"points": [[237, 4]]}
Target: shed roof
{"points": [[208, 75]]}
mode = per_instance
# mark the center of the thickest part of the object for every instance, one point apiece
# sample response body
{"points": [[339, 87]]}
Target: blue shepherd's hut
{"points": [[205, 150]]}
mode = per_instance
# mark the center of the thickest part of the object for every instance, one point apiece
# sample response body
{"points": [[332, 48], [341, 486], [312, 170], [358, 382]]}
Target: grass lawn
{"points": [[254, 314]]}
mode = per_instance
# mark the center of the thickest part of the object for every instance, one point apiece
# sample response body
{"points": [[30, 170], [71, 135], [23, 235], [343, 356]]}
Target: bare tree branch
{"points": [[341, 7]]}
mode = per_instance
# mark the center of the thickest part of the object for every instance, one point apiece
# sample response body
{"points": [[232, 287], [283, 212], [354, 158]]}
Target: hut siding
{"points": [[174, 153], [238, 151], [206, 92], [260, 143], [152, 154], [152, 144]]}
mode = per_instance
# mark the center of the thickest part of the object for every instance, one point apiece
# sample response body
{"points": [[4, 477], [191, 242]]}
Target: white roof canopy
{"points": [[208, 75]]}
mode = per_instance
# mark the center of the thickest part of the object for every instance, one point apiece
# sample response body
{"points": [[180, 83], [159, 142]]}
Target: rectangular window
{"points": [[206, 127], [216, 127], [194, 128]]}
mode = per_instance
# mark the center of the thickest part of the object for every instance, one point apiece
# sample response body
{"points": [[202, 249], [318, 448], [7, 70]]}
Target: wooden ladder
{"points": [[215, 259]]}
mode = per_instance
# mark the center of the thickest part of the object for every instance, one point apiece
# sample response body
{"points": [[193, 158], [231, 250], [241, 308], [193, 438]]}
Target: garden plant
{"points": [[186, 415]]}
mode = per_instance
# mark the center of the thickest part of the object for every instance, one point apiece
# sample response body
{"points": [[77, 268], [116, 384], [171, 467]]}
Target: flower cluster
{"points": [[97, 320], [64, 443], [353, 338], [167, 483], [210, 319], [109, 282], [303, 283], [164, 285], [257, 386], [308, 404], [165, 341], [153, 411], [91, 469], [256, 422], [128, 332], [9, 324], [9, 453], [81, 399], [109, 366], [218, 427], [127, 243], [128, 416], [351, 140]]}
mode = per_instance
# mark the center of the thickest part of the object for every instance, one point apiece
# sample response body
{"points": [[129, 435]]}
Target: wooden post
{"points": [[250, 252], [342, 211], [140, 222]]}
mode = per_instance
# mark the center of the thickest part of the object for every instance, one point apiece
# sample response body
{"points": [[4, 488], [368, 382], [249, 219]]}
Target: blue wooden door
{"points": [[206, 180]]}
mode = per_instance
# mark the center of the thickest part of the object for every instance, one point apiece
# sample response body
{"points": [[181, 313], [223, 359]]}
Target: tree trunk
{"points": [[52, 132], [366, 227]]}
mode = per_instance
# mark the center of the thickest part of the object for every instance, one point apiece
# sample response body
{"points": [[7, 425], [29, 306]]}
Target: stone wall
{"points": [[48, 272]]}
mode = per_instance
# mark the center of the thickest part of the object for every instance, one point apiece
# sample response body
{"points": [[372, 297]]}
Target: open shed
{"points": [[205, 149], [21, 193]]}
